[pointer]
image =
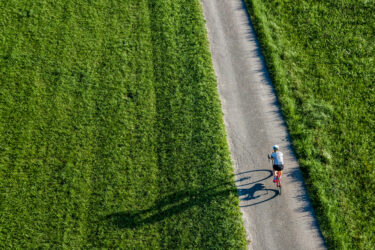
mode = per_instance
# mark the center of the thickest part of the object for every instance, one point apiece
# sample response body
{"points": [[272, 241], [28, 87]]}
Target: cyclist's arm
{"points": [[271, 158]]}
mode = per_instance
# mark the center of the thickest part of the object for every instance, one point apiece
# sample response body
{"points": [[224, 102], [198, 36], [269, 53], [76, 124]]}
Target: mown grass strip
{"points": [[320, 56], [111, 132], [192, 139]]}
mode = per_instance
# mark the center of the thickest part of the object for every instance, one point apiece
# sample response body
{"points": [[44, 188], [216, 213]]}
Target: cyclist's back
{"points": [[278, 158]]}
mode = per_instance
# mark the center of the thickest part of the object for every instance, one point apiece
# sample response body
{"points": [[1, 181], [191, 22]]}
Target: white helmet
{"points": [[275, 147]]}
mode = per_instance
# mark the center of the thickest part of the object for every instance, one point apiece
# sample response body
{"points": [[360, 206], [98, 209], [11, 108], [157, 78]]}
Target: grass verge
{"points": [[320, 56], [111, 132]]}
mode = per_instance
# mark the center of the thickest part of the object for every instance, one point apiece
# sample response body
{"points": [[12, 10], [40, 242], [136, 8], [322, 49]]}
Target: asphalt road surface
{"points": [[254, 123]]}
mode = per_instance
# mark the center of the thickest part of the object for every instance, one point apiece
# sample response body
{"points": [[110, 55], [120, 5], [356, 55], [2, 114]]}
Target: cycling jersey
{"points": [[277, 158]]}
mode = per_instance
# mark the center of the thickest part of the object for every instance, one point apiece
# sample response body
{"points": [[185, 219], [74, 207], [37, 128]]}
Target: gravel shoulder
{"points": [[254, 123]]}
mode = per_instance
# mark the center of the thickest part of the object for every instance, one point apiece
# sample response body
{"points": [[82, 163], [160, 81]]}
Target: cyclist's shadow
{"points": [[249, 193], [255, 193]]}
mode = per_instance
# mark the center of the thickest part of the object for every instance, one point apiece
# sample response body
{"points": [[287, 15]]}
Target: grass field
{"points": [[321, 57], [111, 132]]}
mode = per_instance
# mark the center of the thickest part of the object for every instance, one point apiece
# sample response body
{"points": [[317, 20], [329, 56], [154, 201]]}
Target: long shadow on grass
{"points": [[171, 205]]}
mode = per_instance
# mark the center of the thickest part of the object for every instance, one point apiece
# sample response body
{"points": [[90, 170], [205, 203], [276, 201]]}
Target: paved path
{"points": [[254, 123]]}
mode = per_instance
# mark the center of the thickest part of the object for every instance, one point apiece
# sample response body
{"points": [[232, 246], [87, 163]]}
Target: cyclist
{"points": [[277, 161]]}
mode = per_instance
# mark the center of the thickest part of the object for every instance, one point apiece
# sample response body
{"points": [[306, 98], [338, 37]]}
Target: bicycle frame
{"points": [[278, 180]]}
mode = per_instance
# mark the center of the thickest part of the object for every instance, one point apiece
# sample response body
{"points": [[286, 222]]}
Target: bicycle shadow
{"points": [[254, 175], [257, 193], [260, 191]]}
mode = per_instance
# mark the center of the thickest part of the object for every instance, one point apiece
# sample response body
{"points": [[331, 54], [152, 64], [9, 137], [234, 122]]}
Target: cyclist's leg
{"points": [[275, 175], [274, 171]]}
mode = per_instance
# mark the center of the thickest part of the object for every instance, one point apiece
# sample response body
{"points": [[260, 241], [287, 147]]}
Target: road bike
{"points": [[278, 180], [277, 177]]}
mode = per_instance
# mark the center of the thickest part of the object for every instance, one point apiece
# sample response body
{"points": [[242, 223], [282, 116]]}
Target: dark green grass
{"points": [[111, 132], [321, 57]]}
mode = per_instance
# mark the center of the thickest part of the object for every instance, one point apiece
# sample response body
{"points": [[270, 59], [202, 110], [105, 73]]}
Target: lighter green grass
{"points": [[321, 57], [111, 133]]}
